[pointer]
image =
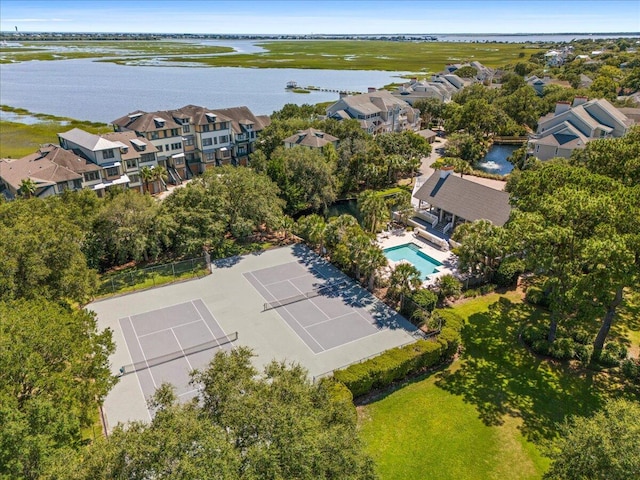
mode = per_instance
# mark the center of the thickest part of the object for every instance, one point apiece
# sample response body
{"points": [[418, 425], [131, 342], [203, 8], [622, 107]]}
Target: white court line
{"points": [[189, 392], [280, 281], [183, 354], [330, 318], [170, 328], [205, 323], [145, 359], [143, 354]]}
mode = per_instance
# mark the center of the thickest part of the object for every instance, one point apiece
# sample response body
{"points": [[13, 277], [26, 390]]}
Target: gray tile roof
{"points": [[465, 199], [310, 137]]}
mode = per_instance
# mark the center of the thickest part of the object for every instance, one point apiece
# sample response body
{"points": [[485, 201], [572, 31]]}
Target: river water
{"points": [[101, 91]]}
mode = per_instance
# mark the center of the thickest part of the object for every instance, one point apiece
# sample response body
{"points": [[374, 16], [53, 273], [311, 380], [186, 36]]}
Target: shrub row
{"points": [[397, 363], [576, 346]]}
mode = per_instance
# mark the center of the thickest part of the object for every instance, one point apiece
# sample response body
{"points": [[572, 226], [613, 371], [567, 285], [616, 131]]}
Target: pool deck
{"points": [[449, 260]]}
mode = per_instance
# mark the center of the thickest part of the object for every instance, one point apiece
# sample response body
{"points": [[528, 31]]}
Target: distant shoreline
{"points": [[399, 37]]}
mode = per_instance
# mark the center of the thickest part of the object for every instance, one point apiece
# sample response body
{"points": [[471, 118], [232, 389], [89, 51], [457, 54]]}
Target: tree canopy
{"points": [[246, 424]]}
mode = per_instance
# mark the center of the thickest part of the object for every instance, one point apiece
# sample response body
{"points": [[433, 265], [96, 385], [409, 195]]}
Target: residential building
{"points": [[193, 138], [245, 128], [571, 126], [539, 84], [310, 138], [449, 200], [483, 74], [442, 87], [207, 137], [82, 161], [105, 153], [136, 153], [377, 112], [163, 131], [52, 168]]}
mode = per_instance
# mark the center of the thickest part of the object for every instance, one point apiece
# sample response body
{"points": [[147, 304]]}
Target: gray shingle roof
{"points": [[465, 199]]}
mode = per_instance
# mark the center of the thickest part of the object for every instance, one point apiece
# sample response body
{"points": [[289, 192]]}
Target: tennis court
{"points": [[321, 305], [168, 343], [163, 333]]}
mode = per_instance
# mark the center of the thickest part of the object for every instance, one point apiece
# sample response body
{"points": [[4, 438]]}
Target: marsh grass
{"points": [[370, 55], [19, 139]]}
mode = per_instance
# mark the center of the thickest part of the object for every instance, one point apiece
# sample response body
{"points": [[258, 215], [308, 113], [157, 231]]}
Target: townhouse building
{"points": [[571, 126], [192, 139], [82, 160], [377, 111]]}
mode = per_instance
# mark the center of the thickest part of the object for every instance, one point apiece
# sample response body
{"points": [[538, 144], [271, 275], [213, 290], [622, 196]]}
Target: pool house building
{"points": [[447, 200]]}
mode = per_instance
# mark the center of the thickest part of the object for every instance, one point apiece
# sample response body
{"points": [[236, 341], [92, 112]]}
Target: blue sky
{"points": [[321, 16]]}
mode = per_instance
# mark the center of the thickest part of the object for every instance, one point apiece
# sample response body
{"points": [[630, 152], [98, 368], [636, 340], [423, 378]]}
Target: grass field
{"points": [[19, 139], [314, 54], [370, 55], [491, 414]]}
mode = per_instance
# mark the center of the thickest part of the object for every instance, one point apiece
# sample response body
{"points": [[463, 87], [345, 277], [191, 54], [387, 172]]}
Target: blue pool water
{"points": [[412, 253]]}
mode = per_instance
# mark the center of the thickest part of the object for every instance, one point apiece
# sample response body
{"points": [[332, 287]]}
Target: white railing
{"points": [[420, 233], [447, 227]]}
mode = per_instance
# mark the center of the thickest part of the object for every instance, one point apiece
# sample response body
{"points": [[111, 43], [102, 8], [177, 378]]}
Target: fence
{"points": [[150, 277]]}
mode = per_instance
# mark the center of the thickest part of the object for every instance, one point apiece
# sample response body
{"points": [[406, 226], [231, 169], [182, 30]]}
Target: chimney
{"points": [[446, 171], [371, 89], [579, 101], [562, 107]]}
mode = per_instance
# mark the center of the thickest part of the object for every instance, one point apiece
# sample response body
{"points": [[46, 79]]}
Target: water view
{"points": [[102, 91], [496, 160]]}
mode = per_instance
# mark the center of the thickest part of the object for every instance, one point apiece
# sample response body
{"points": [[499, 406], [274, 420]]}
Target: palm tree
{"points": [[160, 175], [395, 164], [404, 278], [312, 228], [146, 174], [27, 188], [373, 209], [371, 261]]}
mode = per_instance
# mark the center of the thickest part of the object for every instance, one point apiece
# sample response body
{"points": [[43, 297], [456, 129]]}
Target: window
{"points": [[179, 161], [167, 147], [108, 154], [147, 157], [175, 132], [154, 136], [159, 147], [132, 163], [186, 128], [112, 172], [188, 141], [77, 183], [134, 178], [176, 146], [91, 176], [224, 139], [62, 187], [207, 142], [206, 128], [209, 156]]}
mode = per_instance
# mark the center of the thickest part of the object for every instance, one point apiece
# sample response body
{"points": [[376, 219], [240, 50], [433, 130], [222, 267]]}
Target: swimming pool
{"points": [[411, 253]]}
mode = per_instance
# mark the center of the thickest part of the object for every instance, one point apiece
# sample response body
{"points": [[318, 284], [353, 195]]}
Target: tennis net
{"points": [[325, 289], [152, 362]]}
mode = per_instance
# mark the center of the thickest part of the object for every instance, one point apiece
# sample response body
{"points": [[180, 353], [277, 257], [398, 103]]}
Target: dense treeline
{"points": [[315, 178], [575, 229], [244, 425]]}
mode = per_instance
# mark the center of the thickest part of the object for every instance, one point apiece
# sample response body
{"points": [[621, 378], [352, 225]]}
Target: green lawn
{"points": [[491, 414]]}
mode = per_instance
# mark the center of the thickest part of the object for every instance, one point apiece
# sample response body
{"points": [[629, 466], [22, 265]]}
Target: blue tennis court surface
{"points": [[160, 344], [320, 304]]}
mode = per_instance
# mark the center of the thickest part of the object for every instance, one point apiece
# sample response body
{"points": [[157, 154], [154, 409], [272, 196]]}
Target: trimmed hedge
{"points": [[397, 363]]}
